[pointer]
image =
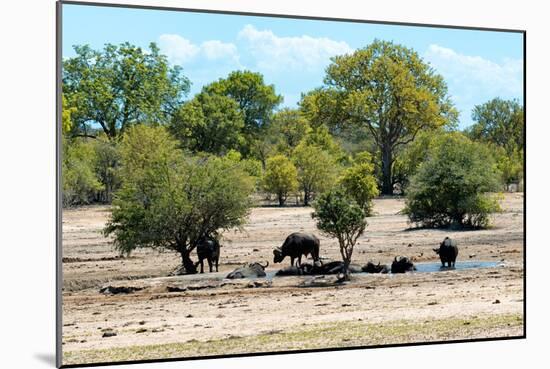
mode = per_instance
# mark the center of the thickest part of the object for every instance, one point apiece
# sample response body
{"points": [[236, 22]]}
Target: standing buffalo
{"points": [[447, 251], [251, 270], [209, 249], [296, 245], [402, 264]]}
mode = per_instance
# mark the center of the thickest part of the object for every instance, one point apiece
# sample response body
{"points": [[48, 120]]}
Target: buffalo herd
{"points": [[301, 244]]}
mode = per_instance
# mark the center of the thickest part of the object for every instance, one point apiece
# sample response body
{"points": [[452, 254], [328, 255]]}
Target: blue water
{"points": [[430, 267], [460, 265]]}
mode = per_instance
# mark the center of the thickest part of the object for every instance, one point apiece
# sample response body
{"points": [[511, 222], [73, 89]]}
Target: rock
{"points": [[141, 330], [255, 250], [175, 289], [472, 256], [258, 283], [319, 281], [142, 322], [109, 334], [189, 316], [195, 287], [497, 301], [113, 290]]}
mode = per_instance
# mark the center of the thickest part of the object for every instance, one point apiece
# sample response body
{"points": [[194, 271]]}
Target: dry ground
{"points": [[213, 317]]}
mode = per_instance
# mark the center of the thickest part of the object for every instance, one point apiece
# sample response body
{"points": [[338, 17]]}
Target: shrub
{"points": [[339, 216], [451, 187]]}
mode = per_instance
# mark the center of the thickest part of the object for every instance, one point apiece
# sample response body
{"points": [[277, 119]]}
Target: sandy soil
{"points": [[233, 316]]}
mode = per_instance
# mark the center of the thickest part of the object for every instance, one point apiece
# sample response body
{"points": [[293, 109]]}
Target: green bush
{"points": [[451, 188], [339, 216]]}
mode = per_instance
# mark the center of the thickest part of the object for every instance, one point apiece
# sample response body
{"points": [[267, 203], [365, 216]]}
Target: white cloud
{"points": [[180, 50], [493, 78], [273, 52]]}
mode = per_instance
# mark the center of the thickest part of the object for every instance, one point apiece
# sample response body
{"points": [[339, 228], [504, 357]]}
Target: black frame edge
{"points": [[58, 194]]}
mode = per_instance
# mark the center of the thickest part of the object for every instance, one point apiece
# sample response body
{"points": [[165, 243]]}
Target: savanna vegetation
{"points": [[177, 168]]}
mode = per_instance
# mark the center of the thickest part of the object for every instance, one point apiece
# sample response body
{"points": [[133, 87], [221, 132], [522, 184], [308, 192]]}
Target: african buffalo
{"points": [[208, 248], [296, 245], [447, 251], [370, 267], [402, 264], [251, 270], [335, 267], [292, 270]]}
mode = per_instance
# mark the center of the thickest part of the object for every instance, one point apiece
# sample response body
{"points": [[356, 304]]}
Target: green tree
{"points": [[209, 123], [339, 216], [510, 164], [280, 177], [171, 202], [388, 89], [106, 164], [79, 182], [359, 183], [120, 86], [451, 188], [66, 112], [256, 101], [288, 127], [500, 122], [317, 169], [321, 137], [412, 155]]}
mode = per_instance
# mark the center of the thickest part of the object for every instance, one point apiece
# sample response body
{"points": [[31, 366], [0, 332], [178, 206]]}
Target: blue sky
{"points": [[292, 54]]}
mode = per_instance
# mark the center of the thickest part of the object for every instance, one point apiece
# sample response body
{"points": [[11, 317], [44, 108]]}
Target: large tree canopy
{"points": [[120, 86], [256, 99], [500, 122], [386, 88], [210, 123]]}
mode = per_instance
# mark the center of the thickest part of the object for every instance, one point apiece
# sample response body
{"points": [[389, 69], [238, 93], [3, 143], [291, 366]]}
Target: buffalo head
{"points": [[278, 255]]}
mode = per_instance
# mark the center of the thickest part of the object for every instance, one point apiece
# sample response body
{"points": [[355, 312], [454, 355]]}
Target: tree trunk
{"points": [[282, 200], [307, 196], [387, 159], [187, 263]]}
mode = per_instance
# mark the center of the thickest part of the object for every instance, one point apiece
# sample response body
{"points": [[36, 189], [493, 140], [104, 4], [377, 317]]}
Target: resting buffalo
{"points": [[251, 270], [402, 264], [335, 267], [370, 267], [296, 245], [447, 251], [209, 249], [293, 270]]}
